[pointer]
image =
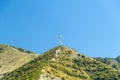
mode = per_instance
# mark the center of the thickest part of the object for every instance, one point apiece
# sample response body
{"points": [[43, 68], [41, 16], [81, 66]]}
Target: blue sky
{"points": [[92, 27]]}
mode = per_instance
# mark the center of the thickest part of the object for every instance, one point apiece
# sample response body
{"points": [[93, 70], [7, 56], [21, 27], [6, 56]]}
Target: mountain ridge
{"points": [[63, 63], [11, 58]]}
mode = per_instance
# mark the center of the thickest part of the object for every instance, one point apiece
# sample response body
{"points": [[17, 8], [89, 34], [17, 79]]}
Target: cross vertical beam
{"points": [[60, 40]]}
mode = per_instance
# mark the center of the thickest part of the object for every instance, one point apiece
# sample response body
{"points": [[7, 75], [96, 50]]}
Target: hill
{"points": [[63, 63], [11, 58], [113, 62]]}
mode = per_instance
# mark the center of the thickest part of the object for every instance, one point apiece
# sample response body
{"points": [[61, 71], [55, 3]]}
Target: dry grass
{"points": [[11, 59]]}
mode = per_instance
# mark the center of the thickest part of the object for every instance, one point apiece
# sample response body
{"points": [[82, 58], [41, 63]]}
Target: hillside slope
{"points": [[113, 62], [63, 63], [11, 58]]}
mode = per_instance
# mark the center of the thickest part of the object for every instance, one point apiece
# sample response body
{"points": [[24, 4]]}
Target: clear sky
{"points": [[92, 27]]}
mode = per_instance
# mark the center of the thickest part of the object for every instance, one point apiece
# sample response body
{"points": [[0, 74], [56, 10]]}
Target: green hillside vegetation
{"points": [[23, 50], [113, 62], [12, 58], [63, 63]]}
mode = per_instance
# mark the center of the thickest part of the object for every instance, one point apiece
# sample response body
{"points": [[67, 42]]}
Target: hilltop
{"points": [[63, 63], [12, 58]]}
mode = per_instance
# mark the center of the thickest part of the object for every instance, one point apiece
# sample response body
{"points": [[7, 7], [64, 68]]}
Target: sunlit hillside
{"points": [[11, 58], [63, 63]]}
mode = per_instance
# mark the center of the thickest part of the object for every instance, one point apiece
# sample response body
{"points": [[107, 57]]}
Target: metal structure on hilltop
{"points": [[60, 40]]}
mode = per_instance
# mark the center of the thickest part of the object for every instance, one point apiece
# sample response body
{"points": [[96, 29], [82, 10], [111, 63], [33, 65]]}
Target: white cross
{"points": [[60, 40]]}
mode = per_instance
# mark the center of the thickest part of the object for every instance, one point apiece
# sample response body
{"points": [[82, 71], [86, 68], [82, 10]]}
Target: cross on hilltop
{"points": [[60, 40]]}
